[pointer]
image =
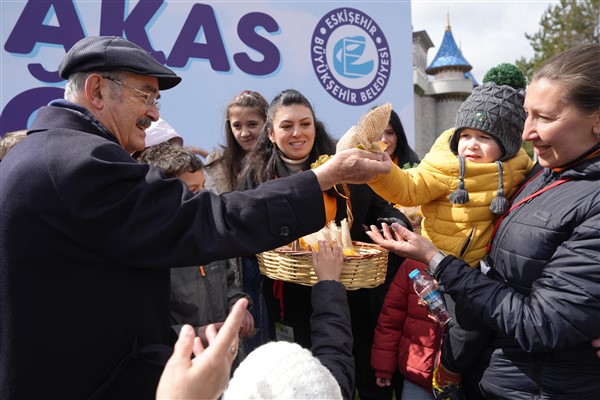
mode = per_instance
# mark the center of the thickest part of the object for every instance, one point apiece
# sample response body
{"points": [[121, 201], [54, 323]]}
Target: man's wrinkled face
{"points": [[131, 108]]}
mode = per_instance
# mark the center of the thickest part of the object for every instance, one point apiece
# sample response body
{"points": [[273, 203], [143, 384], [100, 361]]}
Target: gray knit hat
{"points": [[496, 110]]}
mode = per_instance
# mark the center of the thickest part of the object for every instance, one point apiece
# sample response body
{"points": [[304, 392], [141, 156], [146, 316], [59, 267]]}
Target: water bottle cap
{"points": [[415, 272]]}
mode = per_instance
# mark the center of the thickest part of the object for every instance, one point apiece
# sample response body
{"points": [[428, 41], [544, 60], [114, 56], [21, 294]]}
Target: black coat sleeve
{"points": [[164, 224], [331, 333]]}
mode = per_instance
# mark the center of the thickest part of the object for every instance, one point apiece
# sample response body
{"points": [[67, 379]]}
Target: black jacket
{"points": [[86, 242], [543, 300]]}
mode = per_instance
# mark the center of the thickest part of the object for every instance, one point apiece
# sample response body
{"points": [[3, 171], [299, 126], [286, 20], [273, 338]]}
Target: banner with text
{"points": [[345, 60]]}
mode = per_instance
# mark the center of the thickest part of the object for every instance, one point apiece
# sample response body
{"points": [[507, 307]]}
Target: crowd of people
{"points": [[128, 265]]}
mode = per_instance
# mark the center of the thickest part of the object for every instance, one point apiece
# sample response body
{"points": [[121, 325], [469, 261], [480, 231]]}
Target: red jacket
{"points": [[405, 338]]}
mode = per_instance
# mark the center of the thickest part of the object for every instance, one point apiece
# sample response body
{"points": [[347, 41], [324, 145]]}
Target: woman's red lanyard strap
{"points": [[517, 204], [278, 294]]}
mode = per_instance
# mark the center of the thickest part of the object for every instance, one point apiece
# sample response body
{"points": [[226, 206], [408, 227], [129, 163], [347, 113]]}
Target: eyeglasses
{"points": [[151, 100]]}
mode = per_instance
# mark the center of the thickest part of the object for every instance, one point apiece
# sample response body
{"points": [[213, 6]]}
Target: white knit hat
{"points": [[160, 131], [282, 370]]}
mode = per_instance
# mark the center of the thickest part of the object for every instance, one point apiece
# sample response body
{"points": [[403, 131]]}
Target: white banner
{"points": [[344, 59]]}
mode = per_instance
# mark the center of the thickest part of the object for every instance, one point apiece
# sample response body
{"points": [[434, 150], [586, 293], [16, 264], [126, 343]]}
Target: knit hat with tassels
{"points": [[496, 108], [499, 204]]}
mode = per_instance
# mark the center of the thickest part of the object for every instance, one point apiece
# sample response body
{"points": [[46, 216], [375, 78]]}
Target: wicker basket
{"points": [[367, 270]]}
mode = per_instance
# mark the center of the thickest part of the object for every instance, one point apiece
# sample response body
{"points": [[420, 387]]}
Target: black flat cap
{"points": [[113, 53]]}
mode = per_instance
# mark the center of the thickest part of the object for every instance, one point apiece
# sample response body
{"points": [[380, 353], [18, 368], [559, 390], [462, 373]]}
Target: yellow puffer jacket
{"points": [[459, 229]]}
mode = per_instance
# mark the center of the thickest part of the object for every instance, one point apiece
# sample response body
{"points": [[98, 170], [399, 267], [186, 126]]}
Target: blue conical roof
{"points": [[470, 76], [449, 55]]}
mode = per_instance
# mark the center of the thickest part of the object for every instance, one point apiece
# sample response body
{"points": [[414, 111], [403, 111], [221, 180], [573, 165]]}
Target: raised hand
{"points": [[207, 374]]}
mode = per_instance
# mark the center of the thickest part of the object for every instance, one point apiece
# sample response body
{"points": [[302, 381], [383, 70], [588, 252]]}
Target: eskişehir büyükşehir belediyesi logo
{"points": [[350, 56]]}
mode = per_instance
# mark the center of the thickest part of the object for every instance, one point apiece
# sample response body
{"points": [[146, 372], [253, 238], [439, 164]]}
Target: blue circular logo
{"points": [[350, 56]]}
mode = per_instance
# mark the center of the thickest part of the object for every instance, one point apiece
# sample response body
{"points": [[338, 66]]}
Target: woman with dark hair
{"points": [[269, 158], [295, 142], [291, 140], [397, 144]]}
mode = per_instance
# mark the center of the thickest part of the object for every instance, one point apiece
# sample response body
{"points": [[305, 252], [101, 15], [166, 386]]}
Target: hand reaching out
{"points": [[352, 166], [403, 242], [328, 261], [206, 375]]}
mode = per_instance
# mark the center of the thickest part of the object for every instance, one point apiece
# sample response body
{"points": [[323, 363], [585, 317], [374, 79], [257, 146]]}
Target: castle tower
{"points": [[437, 99]]}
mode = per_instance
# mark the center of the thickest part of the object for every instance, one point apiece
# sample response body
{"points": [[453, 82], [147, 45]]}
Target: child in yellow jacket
{"points": [[462, 184]]}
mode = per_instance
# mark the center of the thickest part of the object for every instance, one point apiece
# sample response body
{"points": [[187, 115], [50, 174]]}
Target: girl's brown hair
{"points": [[233, 153]]}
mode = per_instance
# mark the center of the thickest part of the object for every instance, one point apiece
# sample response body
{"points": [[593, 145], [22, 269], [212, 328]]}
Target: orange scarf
{"points": [[330, 203]]}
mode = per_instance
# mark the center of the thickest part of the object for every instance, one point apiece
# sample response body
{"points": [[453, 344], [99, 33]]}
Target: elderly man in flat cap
{"points": [[88, 235]]}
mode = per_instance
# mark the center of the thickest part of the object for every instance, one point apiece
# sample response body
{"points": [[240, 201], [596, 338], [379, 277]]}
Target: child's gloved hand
{"points": [[390, 220]]}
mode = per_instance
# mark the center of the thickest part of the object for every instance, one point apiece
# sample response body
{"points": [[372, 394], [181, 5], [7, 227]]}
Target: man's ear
{"points": [[95, 90]]}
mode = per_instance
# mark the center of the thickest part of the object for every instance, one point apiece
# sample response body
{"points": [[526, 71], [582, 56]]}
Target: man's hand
{"points": [[403, 242], [206, 375], [352, 166]]}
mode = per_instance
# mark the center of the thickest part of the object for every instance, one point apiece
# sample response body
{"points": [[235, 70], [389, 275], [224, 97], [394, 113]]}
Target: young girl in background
{"points": [[245, 116]]}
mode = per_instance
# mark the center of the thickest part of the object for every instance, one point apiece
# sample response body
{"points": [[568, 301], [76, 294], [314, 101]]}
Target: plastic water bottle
{"points": [[427, 289]]}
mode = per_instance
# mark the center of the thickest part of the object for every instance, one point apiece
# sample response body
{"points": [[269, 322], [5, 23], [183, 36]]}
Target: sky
{"points": [[488, 32]]}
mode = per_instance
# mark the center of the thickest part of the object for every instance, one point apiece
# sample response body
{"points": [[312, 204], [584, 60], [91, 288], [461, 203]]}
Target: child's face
{"points": [[477, 146], [194, 180], [245, 123], [389, 137]]}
